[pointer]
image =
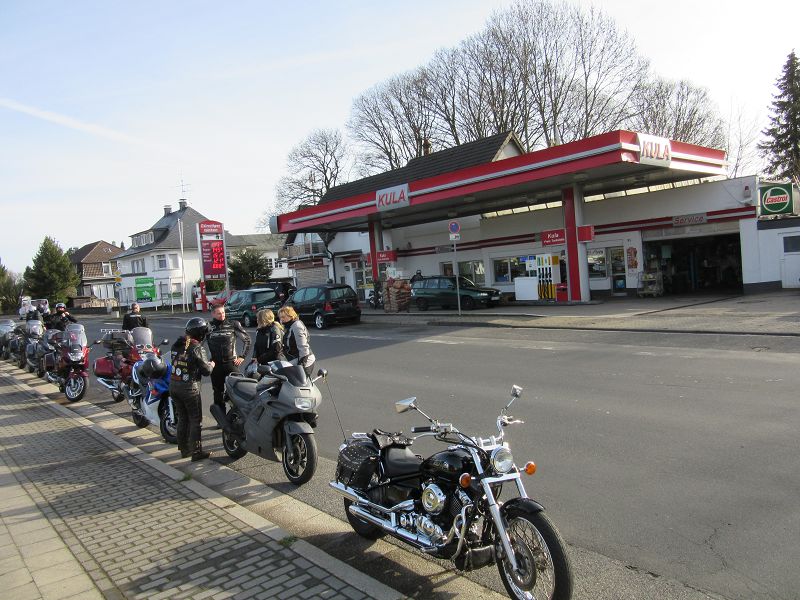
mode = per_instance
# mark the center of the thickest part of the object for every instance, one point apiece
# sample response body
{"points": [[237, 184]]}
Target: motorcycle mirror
{"points": [[98, 341], [322, 373], [402, 406], [164, 342], [516, 392]]}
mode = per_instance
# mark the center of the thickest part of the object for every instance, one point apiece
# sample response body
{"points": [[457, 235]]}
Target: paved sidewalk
{"points": [[85, 515]]}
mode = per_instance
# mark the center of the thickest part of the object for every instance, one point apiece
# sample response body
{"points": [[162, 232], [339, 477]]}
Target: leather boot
{"points": [[199, 453]]}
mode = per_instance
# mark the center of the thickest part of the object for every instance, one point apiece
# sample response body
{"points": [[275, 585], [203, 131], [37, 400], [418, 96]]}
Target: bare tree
{"points": [[314, 166], [678, 110], [742, 144]]}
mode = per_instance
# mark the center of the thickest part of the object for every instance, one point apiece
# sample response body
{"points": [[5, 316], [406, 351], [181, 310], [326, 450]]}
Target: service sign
{"points": [[654, 150], [385, 256], [693, 219], [553, 237], [392, 198], [775, 199]]}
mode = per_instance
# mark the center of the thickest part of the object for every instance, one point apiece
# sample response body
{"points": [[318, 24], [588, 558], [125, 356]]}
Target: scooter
{"points": [[68, 366], [273, 416], [150, 401]]}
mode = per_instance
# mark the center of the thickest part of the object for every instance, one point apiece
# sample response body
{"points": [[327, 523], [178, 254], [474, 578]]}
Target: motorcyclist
{"points": [[221, 340], [134, 318], [269, 338], [60, 318], [189, 364], [296, 339]]}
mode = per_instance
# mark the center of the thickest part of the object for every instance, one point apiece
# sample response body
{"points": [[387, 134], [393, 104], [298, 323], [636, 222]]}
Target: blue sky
{"points": [[104, 106]]}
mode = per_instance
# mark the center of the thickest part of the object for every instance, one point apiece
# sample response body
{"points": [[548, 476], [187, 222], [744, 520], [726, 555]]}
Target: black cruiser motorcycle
{"points": [[447, 505]]}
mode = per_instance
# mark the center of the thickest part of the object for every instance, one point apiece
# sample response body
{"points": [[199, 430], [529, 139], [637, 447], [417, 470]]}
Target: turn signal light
{"points": [[530, 468], [465, 480]]}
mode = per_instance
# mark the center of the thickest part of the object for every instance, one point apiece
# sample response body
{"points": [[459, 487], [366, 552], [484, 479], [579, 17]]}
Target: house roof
{"points": [[96, 252], [264, 241], [166, 234], [450, 159]]}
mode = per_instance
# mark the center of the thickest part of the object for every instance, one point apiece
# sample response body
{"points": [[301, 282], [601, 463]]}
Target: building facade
{"points": [[96, 264]]}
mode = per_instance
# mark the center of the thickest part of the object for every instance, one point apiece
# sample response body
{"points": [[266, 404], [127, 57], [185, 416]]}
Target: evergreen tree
{"points": [[10, 289], [246, 267], [52, 276], [781, 149]]}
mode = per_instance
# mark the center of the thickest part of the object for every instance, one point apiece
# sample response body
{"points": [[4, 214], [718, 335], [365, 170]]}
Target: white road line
{"points": [[447, 342]]}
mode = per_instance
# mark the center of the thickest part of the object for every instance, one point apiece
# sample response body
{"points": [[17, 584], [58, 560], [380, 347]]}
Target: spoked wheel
{"points": [[75, 388], [304, 462], [231, 444], [543, 567], [139, 419], [168, 426]]}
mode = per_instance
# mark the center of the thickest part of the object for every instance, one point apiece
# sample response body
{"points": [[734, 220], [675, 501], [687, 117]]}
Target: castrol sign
{"points": [[776, 199]]}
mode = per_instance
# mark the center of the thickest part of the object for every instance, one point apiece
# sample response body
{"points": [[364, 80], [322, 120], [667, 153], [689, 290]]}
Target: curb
{"points": [[365, 583]]}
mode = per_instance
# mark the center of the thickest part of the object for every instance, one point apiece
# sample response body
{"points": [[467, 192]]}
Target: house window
{"points": [[137, 266], [270, 263], [473, 269], [791, 243], [161, 261], [173, 261], [507, 269], [107, 269]]}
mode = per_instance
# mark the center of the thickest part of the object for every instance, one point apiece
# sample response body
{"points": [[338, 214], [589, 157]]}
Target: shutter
{"points": [[311, 276]]}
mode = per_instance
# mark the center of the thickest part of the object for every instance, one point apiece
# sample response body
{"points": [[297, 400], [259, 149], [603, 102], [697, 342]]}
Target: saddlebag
{"points": [[357, 462], [104, 367]]}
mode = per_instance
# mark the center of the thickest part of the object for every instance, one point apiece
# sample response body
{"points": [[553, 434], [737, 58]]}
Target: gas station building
{"points": [[621, 213]]}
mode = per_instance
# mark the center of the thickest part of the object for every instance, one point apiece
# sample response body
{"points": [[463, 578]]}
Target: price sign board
{"points": [[211, 242]]}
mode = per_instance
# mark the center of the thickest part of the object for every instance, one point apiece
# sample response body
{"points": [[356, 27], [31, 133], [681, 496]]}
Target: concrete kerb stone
{"points": [[334, 566]]}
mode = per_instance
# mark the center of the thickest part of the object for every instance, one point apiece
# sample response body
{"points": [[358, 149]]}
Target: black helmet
{"points": [[197, 328], [153, 368], [60, 306]]}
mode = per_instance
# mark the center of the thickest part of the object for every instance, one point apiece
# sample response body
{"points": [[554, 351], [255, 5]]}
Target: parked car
{"points": [[326, 304], [244, 304], [440, 290]]}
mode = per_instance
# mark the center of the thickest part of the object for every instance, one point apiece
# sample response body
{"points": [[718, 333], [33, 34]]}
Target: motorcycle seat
{"points": [[401, 461]]}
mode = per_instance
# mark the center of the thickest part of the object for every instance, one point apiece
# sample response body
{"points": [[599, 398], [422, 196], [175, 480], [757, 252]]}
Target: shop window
{"points": [[508, 269], [598, 266], [791, 243], [474, 270]]}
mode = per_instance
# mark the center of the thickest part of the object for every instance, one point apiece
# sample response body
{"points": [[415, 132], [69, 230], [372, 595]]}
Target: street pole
{"points": [[183, 267], [455, 269]]}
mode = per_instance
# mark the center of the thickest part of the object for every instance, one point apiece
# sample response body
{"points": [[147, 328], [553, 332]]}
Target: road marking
{"points": [[447, 342]]}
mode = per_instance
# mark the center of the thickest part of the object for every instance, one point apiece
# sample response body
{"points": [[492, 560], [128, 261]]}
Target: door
{"points": [[619, 281], [308, 303]]}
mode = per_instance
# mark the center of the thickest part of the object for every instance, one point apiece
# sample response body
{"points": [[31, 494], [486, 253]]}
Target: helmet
{"points": [[197, 328], [60, 306], [153, 368]]}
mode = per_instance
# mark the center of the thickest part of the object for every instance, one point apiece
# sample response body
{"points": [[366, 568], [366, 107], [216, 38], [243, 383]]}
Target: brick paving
{"points": [[83, 518]]}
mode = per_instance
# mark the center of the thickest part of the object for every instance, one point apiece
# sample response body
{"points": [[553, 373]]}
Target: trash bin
{"points": [[561, 292]]}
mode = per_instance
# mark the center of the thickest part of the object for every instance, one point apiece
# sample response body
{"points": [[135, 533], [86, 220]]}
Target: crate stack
{"points": [[396, 295]]}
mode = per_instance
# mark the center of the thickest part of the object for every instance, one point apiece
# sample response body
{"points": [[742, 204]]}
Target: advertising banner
{"points": [[775, 199], [145, 289]]}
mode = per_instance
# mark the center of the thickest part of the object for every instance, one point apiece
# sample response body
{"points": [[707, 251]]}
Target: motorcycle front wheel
{"points": [[544, 571], [139, 420], [302, 466], [75, 388], [231, 444], [168, 427]]}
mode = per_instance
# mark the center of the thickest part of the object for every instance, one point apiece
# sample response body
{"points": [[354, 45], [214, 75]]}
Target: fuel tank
{"points": [[448, 464]]}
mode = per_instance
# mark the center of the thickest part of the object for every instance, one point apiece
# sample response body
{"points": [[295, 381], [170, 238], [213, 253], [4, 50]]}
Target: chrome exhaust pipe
{"points": [[109, 383], [418, 540], [355, 497]]}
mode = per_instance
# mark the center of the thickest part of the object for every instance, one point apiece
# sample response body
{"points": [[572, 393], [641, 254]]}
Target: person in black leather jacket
{"points": [[221, 340], [60, 318], [189, 364], [269, 338], [135, 318]]}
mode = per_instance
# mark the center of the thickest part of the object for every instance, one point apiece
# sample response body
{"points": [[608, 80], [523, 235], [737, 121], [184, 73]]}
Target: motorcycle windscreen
{"points": [[295, 375], [75, 335], [34, 328], [142, 336]]}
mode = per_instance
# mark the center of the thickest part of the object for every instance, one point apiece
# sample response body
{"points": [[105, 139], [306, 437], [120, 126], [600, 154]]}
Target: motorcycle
{"points": [[375, 299], [150, 401], [35, 336], [67, 365], [447, 504], [7, 327], [123, 350], [18, 342], [274, 415]]}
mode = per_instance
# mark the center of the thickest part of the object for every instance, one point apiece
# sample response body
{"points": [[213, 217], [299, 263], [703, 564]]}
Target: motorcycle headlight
{"points": [[76, 356], [303, 403], [502, 460]]}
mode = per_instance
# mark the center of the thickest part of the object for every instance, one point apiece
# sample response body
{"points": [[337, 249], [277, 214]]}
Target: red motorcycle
{"points": [[68, 365], [123, 349]]}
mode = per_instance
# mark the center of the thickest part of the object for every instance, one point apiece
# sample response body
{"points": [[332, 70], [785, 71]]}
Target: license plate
{"points": [[495, 297]]}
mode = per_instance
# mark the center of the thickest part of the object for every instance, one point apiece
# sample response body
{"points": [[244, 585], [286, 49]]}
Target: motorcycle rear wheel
{"points": [[139, 420], [541, 555], [302, 467], [40, 369], [231, 444], [75, 388]]}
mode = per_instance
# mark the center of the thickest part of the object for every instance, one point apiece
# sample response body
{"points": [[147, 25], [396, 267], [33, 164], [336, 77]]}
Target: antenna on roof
{"points": [[184, 187]]}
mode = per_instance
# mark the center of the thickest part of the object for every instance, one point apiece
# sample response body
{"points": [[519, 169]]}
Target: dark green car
{"points": [[440, 290], [244, 304]]}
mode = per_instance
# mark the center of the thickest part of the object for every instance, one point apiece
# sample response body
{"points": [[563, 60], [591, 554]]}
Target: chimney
{"points": [[426, 147], [167, 209], [182, 203]]}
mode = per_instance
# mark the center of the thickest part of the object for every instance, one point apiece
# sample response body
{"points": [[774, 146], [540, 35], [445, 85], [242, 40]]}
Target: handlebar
{"points": [[425, 429]]}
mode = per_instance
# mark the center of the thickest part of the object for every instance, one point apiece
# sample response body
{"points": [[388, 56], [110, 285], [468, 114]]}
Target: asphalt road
{"points": [[676, 455]]}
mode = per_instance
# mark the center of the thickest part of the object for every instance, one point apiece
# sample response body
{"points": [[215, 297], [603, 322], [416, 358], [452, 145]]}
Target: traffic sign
{"points": [[117, 284], [118, 279], [453, 227], [455, 237]]}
